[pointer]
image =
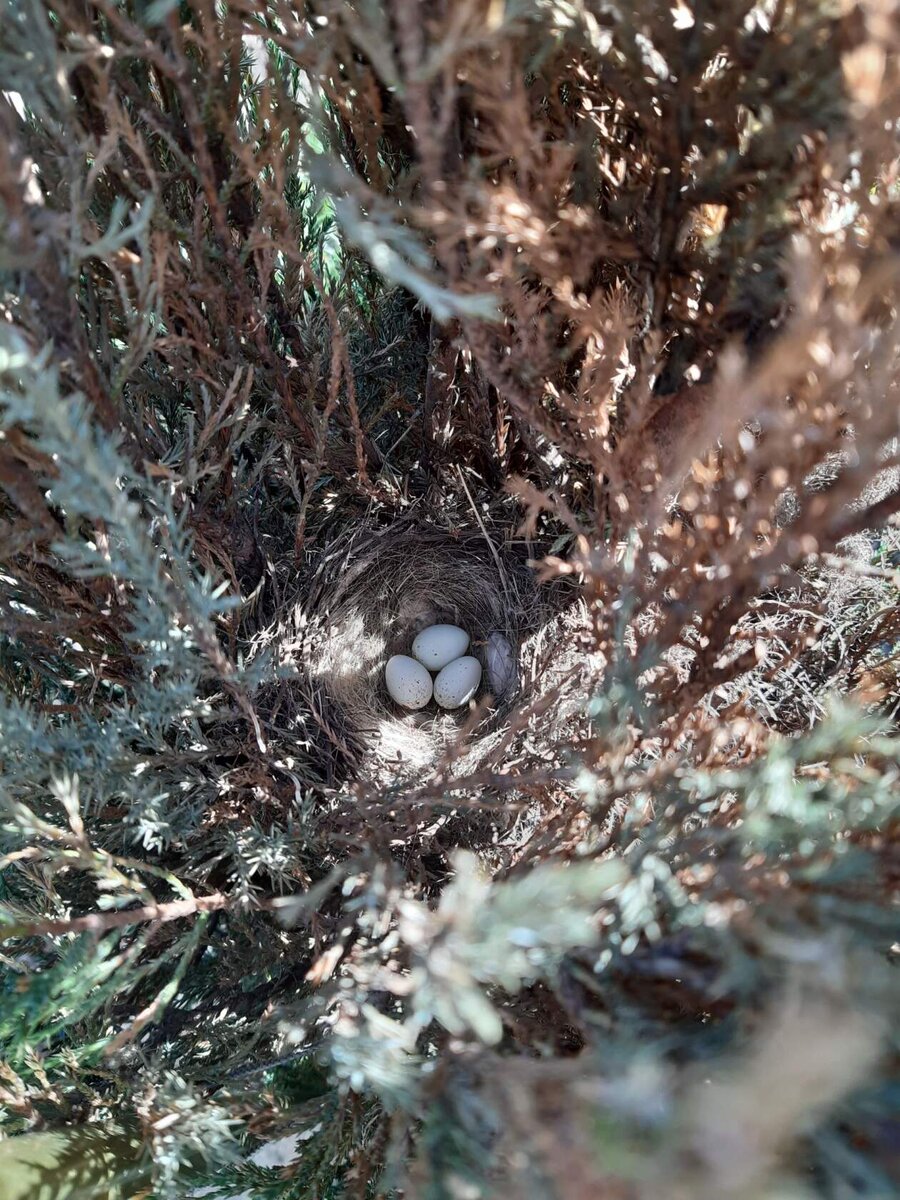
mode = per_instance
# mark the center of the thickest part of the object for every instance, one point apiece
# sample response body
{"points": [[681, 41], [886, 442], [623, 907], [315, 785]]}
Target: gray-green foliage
{"points": [[505, 936], [167, 631]]}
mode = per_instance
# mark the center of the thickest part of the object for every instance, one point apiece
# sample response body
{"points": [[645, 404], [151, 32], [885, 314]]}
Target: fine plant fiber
{"points": [[574, 323]]}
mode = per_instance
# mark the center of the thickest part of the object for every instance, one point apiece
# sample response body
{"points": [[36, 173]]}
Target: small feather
{"points": [[501, 665]]}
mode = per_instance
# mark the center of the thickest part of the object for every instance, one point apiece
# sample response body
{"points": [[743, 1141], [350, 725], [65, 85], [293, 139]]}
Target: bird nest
{"points": [[373, 591]]}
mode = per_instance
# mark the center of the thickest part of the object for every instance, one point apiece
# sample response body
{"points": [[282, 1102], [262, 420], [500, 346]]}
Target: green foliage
{"points": [[506, 937]]}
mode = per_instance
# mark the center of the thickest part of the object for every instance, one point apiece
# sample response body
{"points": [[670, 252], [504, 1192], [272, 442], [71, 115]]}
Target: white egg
{"points": [[458, 682], [407, 681], [438, 645]]}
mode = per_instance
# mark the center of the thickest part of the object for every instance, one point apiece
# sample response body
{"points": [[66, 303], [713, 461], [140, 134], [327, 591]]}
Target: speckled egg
{"points": [[439, 645], [458, 682], [407, 681]]}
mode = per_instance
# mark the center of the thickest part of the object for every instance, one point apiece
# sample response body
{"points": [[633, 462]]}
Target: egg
{"points": [[438, 645], [458, 682], [407, 681]]}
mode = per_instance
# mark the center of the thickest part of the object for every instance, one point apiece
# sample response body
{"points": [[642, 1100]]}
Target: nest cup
{"points": [[373, 593]]}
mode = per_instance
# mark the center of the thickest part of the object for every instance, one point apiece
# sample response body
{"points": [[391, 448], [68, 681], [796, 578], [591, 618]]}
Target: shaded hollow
{"points": [[373, 592]]}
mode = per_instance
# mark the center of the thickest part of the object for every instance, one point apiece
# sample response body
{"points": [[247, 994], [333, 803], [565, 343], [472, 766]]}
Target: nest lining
{"points": [[374, 591]]}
